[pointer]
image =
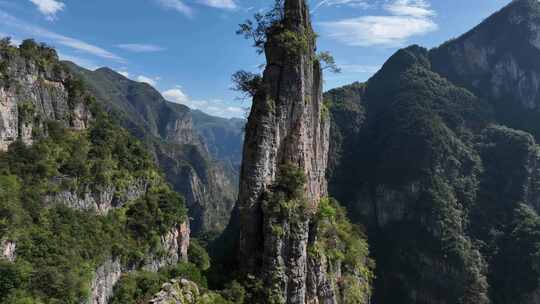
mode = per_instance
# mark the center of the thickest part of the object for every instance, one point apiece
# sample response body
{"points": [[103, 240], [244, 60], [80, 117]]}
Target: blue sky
{"points": [[188, 49]]}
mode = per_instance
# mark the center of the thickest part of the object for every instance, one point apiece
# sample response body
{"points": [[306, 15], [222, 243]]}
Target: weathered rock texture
{"points": [[284, 126], [177, 291], [33, 92], [174, 246], [182, 291], [7, 250], [105, 277], [286, 129], [100, 200]]}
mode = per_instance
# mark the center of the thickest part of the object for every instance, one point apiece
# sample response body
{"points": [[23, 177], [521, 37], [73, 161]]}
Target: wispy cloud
{"points": [[222, 4], [352, 3], [214, 107], [49, 8], [176, 5], [405, 19], [40, 33], [140, 48], [413, 8]]}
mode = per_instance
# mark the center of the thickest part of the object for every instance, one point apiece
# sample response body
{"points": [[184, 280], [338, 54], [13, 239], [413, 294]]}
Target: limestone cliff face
{"points": [[100, 200], [105, 277], [36, 91], [32, 92], [285, 126], [175, 246], [7, 250], [499, 60], [287, 129]]}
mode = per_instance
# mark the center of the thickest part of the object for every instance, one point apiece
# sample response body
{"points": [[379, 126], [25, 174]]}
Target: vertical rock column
{"points": [[285, 129]]}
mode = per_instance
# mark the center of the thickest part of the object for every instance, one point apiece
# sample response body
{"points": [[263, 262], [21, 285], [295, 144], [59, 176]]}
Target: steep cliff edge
{"points": [[35, 88], [499, 60], [81, 201], [282, 181]]}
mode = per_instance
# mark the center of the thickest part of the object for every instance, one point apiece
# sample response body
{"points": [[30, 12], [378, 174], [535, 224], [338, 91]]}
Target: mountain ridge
{"points": [[441, 165], [170, 130]]}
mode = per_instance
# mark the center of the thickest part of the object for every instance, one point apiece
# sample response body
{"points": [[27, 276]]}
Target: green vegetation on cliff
{"points": [[58, 248], [60, 242], [412, 174]]}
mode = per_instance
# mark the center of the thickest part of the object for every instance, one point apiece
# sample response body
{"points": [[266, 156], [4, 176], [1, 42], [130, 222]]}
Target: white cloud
{"points": [[176, 5], [148, 80], [214, 107], [176, 95], [49, 8], [123, 73], [41, 33], [140, 48], [223, 4], [407, 18]]}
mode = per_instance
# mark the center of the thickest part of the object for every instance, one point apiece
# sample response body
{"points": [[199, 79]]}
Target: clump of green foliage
{"points": [[141, 286], [248, 83], [286, 200], [343, 245], [41, 54], [515, 270], [263, 25], [270, 29], [329, 62], [198, 255]]}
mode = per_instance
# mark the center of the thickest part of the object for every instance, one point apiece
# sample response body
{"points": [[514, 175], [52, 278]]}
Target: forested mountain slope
{"points": [[82, 203], [441, 165], [199, 153]]}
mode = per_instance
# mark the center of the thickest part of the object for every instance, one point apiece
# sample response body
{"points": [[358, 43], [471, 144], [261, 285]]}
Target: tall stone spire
{"points": [[285, 131]]}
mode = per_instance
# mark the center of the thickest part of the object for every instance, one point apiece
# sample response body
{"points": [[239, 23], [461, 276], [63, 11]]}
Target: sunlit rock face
{"points": [[287, 128], [32, 93]]}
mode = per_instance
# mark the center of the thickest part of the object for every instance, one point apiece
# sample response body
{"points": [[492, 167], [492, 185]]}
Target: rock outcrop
{"points": [[100, 200], [283, 172], [34, 88], [174, 245], [105, 278], [7, 250], [182, 291]]}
